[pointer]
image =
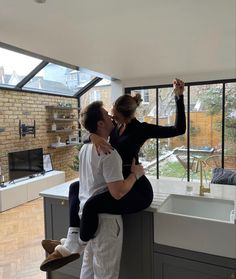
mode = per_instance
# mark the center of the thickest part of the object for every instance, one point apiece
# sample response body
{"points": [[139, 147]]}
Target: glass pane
{"points": [[230, 126], [205, 128], [57, 79], [146, 112], [171, 150], [100, 92], [15, 66]]}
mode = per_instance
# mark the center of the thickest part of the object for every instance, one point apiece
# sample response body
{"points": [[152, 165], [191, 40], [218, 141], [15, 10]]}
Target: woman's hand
{"points": [[178, 87], [101, 144], [137, 170]]}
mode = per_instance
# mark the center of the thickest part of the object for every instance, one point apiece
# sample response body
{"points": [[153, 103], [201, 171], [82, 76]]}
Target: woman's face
{"points": [[117, 116]]}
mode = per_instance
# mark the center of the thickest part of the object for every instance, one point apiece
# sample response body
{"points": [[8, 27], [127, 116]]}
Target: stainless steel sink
{"points": [[197, 223]]}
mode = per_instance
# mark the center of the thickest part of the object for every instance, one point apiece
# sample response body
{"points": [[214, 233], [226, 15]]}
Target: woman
{"points": [[127, 138]]}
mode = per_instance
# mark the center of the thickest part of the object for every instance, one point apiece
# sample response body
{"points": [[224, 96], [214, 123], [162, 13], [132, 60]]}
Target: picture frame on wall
{"points": [[47, 162]]}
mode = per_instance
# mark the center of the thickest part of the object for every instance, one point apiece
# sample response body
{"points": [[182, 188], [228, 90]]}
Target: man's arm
{"points": [[120, 188]]}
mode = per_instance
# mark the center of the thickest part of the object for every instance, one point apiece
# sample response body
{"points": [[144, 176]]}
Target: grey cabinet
{"points": [[56, 220], [137, 252], [187, 264], [141, 257]]}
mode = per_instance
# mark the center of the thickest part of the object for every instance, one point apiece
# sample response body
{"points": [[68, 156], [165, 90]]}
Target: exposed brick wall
{"points": [[28, 107]]}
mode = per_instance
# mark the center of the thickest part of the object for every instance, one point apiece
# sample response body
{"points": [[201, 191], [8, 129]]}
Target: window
{"points": [[145, 96], [147, 112], [101, 91], [211, 119], [94, 96], [58, 79], [20, 71], [15, 66], [230, 118]]}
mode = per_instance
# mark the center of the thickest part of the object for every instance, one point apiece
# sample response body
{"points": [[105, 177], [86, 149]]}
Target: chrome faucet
{"points": [[202, 188]]}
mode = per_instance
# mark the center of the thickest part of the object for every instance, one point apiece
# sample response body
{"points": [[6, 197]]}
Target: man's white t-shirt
{"points": [[96, 171]]}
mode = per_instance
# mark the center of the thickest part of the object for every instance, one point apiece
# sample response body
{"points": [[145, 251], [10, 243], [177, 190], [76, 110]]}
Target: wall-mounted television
{"points": [[25, 163]]}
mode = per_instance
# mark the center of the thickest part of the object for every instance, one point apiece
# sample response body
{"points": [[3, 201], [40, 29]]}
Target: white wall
{"points": [[186, 77], [117, 89]]}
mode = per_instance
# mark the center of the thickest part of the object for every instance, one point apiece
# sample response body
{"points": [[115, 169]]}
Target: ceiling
{"points": [[137, 41]]}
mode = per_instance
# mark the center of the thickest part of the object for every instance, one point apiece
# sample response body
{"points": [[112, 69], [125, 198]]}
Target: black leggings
{"points": [[74, 203], [137, 199]]}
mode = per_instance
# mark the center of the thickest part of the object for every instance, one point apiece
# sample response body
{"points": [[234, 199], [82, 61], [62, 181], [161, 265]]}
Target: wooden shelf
{"points": [[62, 131], [64, 146], [62, 108], [63, 119]]}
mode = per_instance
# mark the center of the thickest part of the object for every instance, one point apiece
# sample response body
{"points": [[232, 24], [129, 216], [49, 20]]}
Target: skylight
{"points": [[15, 66], [58, 79], [25, 72]]}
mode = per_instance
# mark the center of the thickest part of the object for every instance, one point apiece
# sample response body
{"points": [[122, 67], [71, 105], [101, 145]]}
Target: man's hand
{"points": [[120, 188], [101, 144], [178, 87], [137, 170]]}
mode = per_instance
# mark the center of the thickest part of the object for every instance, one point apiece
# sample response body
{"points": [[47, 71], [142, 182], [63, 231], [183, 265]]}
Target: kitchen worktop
{"points": [[162, 188]]}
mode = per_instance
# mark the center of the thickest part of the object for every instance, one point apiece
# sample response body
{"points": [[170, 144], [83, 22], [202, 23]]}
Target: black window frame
{"points": [[188, 85], [44, 63]]}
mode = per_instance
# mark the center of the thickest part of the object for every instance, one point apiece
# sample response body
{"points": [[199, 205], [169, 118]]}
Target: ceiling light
{"points": [[40, 1]]}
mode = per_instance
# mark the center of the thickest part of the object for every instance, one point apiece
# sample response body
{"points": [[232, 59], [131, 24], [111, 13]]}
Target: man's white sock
{"points": [[72, 243]]}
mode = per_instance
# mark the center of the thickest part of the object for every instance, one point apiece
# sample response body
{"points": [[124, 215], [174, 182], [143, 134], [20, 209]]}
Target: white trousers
{"points": [[101, 259]]}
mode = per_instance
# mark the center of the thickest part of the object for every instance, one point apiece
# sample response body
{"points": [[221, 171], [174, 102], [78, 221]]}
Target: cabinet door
{"points": [[137, 251], [56, 227], [56, 218], [60, 275], [170, 267]]}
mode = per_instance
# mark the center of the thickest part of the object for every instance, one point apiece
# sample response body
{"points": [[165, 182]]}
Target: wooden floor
{"points": [[21, 232]]}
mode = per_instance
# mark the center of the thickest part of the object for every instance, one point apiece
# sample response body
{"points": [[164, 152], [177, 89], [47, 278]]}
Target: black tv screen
{"points": [[25, 163]]}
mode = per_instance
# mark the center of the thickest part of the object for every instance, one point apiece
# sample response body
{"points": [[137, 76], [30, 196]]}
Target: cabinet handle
{"points": [[62, 202], [232, 275]]}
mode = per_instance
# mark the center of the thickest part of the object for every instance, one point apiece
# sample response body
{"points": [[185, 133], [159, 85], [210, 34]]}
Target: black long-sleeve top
{"points": [[136, 133]]}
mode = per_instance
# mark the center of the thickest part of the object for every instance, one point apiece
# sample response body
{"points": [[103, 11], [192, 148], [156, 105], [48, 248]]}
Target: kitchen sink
{"points": [[200, 207], [196, 223]]}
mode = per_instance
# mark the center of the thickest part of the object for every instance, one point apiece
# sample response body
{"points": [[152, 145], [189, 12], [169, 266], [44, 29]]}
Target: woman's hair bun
{"points": [[138, 99]]}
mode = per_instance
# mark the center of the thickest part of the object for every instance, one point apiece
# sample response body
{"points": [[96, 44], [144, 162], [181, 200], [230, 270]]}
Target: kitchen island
{"points": [[145, 255]]}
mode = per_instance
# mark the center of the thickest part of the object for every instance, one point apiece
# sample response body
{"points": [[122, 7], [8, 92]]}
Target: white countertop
{"points": [[58, 192], [162, 188]]}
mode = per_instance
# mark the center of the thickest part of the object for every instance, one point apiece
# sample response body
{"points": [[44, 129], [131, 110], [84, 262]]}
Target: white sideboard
{"points": [[28, 189]]}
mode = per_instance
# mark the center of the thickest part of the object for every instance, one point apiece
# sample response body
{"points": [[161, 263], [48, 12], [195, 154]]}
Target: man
{"points": [[99, 173]]}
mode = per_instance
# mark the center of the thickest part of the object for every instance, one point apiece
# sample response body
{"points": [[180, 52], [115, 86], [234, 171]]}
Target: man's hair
{"points": [[90, 116]]}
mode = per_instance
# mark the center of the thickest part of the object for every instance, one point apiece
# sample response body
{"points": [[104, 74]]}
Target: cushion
{"points": [[223, 176]]}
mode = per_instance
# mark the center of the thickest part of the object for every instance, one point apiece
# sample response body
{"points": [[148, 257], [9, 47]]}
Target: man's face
{"points": [[107, 119]]}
